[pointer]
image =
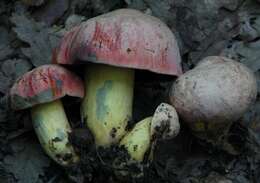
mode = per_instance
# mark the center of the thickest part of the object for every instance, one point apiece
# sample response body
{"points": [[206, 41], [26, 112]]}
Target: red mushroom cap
{"points": [[44, 84], [124, 38]]}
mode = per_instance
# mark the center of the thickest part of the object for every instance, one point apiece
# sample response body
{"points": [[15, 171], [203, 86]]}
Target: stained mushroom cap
{"points": [[123, 38], [44, 84]]}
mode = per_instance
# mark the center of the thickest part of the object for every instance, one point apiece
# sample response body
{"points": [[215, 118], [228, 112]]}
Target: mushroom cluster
{"points": [[116, 44], [111, 47]]}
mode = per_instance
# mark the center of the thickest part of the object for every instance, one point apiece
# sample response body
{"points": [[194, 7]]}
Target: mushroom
{"points": [[210, 97], [41, 90], [117, 43], [164, 125]]}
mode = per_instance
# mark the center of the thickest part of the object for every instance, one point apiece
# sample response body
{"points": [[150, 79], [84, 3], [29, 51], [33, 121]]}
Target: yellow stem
{"points": [[107, 105], [138, 140], [52, 128]]}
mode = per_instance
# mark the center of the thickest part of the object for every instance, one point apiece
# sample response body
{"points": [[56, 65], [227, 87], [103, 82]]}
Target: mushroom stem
{"points": [[107, 105], [52, 128], [164, 124], [138, 140]]}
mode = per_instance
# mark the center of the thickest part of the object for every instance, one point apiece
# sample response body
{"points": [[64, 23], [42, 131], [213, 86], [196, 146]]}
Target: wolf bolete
{"points": [[117, 43], [217, 92], [40, 90]]}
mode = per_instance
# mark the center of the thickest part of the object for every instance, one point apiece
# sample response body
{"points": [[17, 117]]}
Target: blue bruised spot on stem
{"points": [[101, 95], [39, 126], [37, 120], [61, 135]]}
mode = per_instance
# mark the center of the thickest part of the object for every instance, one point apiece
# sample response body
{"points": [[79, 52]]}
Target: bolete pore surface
{"points": [[117, 43], [40, 90]]}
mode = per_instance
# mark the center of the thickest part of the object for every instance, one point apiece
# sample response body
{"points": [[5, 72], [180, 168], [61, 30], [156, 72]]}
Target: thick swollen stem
{"points": [[107, 105], [136, 143], [52, 128], [138, 140]]}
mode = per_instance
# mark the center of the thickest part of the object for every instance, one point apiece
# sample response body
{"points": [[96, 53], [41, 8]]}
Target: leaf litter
{"points": [[27, 159], [226, 27], [38, 36]]}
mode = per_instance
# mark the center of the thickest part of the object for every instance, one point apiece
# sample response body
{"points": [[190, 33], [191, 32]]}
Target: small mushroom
{"points": [[117, 43], [138, 140], [210, 97], [40, 90], [141, 140], [165, 122]]}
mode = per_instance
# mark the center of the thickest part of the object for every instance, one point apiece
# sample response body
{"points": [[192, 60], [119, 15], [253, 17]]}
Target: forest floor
{"points": [[30, 29]]}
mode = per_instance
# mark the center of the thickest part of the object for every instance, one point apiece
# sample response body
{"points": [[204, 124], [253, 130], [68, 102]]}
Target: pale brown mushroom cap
{"points": [[218, 90]]}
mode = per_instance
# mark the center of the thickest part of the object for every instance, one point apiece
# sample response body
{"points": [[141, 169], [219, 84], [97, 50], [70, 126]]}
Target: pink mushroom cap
{"points": [[44, 84], [123, 38]]}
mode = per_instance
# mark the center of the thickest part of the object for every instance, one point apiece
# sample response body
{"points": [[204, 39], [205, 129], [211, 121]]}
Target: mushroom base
{"points": [[136, 144], [138, 140], [52, 128], [209, 131], [107, 105], [214, 133]]}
